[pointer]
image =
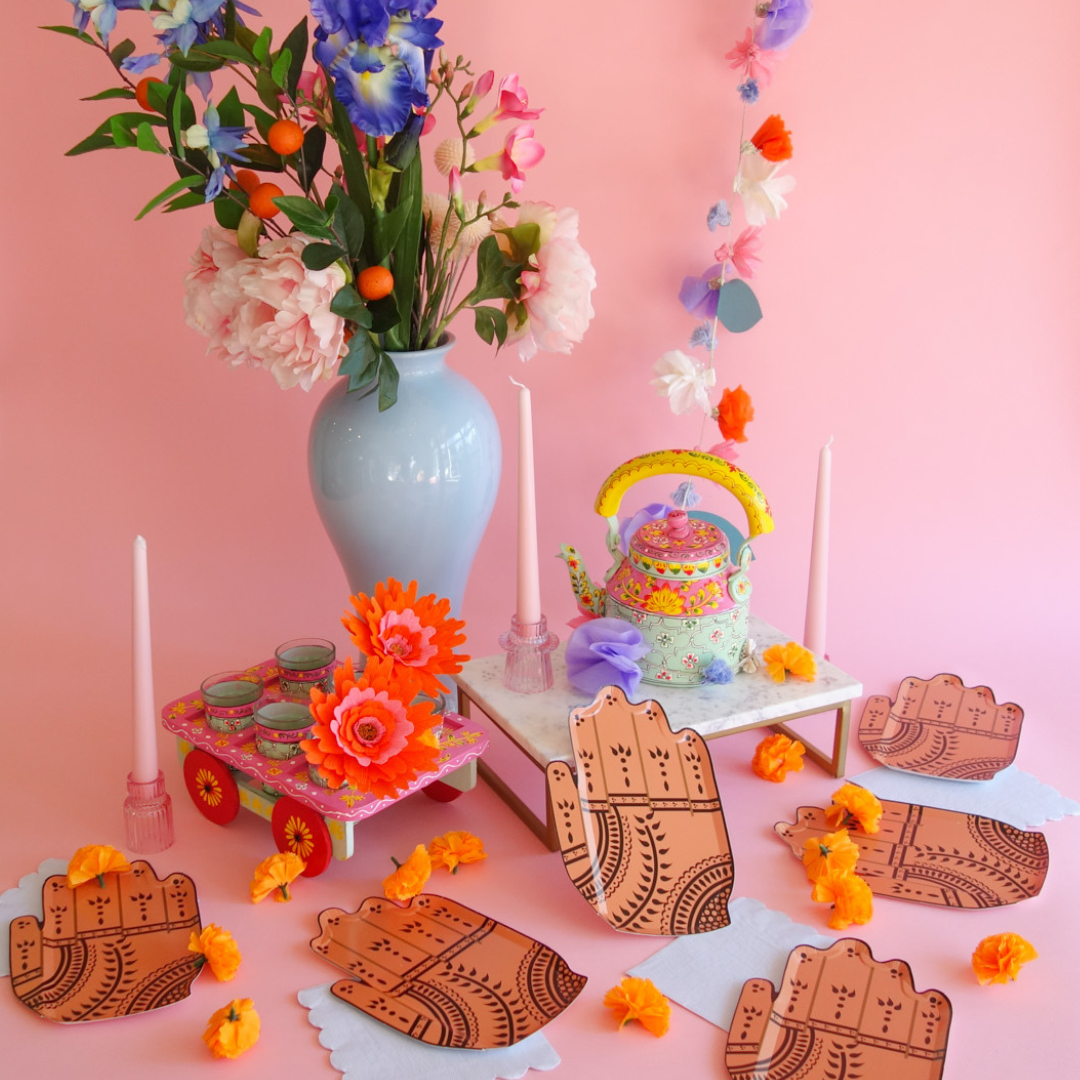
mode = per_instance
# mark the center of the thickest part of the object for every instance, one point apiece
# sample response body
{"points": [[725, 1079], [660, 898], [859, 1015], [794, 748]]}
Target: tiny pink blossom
{"points": [[457, 192], [752, 59], [742, 252], [521, 152], [484, 85], [514, 101], [725, 450]]}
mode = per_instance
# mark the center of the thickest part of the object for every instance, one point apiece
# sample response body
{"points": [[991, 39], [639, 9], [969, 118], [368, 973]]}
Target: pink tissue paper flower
{"points": [[748, 56], [742, 251]]}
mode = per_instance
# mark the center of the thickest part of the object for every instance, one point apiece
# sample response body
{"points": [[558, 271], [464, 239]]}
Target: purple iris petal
{"points": [[604, 652], [783, 23], [630, 525]]}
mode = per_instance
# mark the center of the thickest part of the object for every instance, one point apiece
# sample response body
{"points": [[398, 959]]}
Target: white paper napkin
{"points": [[24, 899]]}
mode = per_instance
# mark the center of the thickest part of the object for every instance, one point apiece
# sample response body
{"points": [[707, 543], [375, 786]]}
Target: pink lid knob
{"points": [[678, 524]]}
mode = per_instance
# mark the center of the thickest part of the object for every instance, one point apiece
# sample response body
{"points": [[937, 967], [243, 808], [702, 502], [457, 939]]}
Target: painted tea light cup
{"points": [[229, 700], [279, 727], [304, 663]]}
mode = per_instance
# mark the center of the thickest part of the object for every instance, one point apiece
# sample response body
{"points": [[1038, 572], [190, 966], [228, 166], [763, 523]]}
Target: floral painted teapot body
{"points": [[677, 581]]}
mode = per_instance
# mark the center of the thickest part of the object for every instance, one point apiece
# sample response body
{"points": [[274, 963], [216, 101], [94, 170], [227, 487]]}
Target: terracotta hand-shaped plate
{"points": [[941, 728], [443, 973], [105, 951], [641, 829], [937, 856], [839, 1013]]}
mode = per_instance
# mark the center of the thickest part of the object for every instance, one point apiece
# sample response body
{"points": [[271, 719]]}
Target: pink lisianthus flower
{"points": [[742, 252], [557, 285], [749, 57], [520, 152], [211, 292]]}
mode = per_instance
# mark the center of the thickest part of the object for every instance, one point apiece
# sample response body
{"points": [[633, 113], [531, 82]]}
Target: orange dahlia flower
{"points": [[410, 877], [780, 659], [638, 999], [454, 849], [218, 949], [734, 412], [999, 958], [776, 756], [833, 853], [414, 634], [854, 805], [95, 861], [849, 895], [232, 1030], [773, 140], [369, 732]]}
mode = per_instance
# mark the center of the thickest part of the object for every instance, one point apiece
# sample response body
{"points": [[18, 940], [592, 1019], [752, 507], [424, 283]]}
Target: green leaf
{"points": [[490, 322], [349, 222], [245, 36], [112, 92], [495, 277], [348, 305], [261, 157], [230, 111], [145, 139], [401, 149], [192, 198], [280, 71], [384, 314], [388, 227], [102, 136], [297, 45], [158, 95], [320, 256], [261, 48], [70, 31], [309, 161], [361, 362], [301, 212], [196, 60], [229, 50], [119, 53], [352, 161], [388, 383], [228, 211], [173, 189], [263, 120], [406, 263], [120, 133], [230, 23], [181, 116], [268, 91]]}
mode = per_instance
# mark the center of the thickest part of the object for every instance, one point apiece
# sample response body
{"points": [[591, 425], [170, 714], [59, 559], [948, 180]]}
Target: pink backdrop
{"points": [[918, 306]]}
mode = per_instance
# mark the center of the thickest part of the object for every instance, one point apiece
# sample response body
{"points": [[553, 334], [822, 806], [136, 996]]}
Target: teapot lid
{"points": [[680, 538]]}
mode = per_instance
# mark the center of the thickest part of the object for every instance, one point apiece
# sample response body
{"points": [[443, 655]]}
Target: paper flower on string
{"points": [[761, 189], [740, 254], [217, 949], [719, 215], [410, 877], [783, 22], [95, 861], [233, 1029], [773, 140], [735, 411], [638, 999], [751, 59], [274, 875], [849, 895], [454, 849], [780, 659], [717, 673], [854, 805], [833, 853], [776, 756], [603, 652], [683, 381], [698, 295], [999, 958]]}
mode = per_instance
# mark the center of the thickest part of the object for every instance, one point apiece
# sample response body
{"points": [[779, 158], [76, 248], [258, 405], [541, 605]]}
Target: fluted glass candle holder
{"points": [[148, 815], [528, 656]]}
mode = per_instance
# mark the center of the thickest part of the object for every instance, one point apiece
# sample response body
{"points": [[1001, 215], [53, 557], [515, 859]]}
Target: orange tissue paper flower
{"points": [[95, 861], [773, 140], [849, 895], [454, 849], [218, 949], [833, 853], [638, 999], [999, 958], [776, 756], [275, 875], [410, 877], [734, 412], [233, 1029], [854, 805], [780, 659]]}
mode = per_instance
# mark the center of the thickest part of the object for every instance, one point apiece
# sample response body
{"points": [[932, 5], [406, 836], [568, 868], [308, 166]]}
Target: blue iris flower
{"points": [[221, 146]]}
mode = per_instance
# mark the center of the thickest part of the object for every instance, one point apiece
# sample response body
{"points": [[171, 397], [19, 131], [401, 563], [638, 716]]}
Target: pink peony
{"points": [[557, 287], [210, 290]]}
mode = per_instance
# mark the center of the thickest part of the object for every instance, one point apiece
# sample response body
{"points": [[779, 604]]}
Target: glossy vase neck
{"points": [[422, 361]]}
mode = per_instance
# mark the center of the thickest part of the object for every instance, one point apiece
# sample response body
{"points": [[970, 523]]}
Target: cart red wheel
{"points": [[301, 830], [441, 792], [211, 786]]}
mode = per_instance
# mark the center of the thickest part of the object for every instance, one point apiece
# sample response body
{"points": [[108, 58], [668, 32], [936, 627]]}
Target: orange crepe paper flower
{"points": [[275, 875], [780, 659], [218, 949], [454, 849], [638, 999], [833, 853], [734, 412], [95, 861], [416, 635], [850, 896], [853, 805], [410, 877], [776, 756], [999, 958], [370, 732], [773, 140], [232, 1030]]}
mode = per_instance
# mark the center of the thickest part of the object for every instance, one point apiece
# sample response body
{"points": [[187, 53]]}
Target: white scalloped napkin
{"points": [[24, 899]]}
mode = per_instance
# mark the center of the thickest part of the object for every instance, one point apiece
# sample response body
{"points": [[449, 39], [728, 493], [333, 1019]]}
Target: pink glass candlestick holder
{"points": [[148, 815], [528, 656]]}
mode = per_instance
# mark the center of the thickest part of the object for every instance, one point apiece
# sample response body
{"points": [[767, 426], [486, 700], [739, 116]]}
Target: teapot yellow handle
{"points": [[687, 463]]}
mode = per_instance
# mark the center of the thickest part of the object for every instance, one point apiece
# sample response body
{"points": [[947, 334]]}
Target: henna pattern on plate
{"points": [[939, 727], [641, 829], [106, 951], [935, 856], [445, 974], [839, 1013]]}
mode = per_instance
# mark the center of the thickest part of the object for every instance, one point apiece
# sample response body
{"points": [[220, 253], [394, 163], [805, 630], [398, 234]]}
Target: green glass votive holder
{"points": [[316, 776], [304, 663], [279, 727], [229, 700]]}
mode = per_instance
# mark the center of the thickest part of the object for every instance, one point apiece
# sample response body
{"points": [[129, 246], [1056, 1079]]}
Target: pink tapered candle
{"points": [[528, 565], [817, 593], [145, 770]]}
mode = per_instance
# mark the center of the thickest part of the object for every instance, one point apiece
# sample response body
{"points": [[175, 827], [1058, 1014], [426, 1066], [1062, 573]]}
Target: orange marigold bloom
{"points": [[773, 139], [638, 999], [369, 732], [833, 853], [999, 958], [776, 756], [849, 895], [232, 1030], [780, 659], [275, 875], [734, 412], [854, 805], [410, 877], [415, 635], [454, 849], [217, 948], [95, 861]]}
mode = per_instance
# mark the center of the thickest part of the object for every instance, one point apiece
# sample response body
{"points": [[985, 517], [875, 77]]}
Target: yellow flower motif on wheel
{"points": [[665, 601], [298, 837], [206, 784]]}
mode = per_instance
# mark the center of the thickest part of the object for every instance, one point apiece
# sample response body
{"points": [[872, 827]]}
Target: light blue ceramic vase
{"points": [[407, 493]]}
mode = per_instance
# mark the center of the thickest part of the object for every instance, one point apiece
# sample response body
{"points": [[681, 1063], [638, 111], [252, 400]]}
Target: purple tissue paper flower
{"points": [[783, 23], [717, 672], [604, 652], [630, 525]]}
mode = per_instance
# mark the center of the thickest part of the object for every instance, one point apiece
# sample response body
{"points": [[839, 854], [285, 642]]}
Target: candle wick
{"points": [[829, 443], [516, 383]]}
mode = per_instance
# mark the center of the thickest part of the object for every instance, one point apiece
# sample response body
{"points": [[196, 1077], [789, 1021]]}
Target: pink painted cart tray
{"points": [[224, 772]]}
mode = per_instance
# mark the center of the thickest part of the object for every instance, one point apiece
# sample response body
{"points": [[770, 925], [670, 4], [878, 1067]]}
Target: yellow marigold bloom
{"points": [[833, 853], [780, 659], [853, 804], [776, 756], [850, 897], [454, 849], [999, 958], [95, 861], [217, 948], [275, 875], [410, 877], [232, 1030], [638, 999]]}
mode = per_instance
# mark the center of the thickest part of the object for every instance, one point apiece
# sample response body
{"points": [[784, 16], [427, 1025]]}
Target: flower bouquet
{"points": [[327, 253]]}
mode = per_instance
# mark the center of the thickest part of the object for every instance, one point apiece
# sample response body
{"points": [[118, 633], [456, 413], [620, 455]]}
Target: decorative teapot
{"points": [[678, 580]]}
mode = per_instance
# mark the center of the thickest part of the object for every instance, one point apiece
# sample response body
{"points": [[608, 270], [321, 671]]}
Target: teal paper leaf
{"points": [[737, 307]]}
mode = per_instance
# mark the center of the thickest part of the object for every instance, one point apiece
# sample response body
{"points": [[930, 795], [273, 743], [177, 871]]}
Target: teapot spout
{"points": [[590, 596]]}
